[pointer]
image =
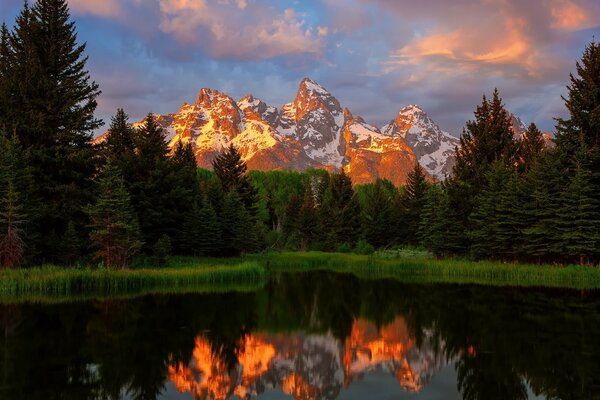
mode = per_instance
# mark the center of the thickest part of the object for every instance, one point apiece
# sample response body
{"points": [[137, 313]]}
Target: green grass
{"points": [[55, 283], [201, 275], [421, 268]]}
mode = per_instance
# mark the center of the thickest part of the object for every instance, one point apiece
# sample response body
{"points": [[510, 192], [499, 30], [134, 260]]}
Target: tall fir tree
{"points": [[51, 109], [12, 245], [339, 214], [119, 145], [231, 172], [201, 231], [530, 147], [541, 241], [412, 202], [307, 222], [376, 215], [583, 102], [15, 172], [440, 229], [150, 184], [114, 226], [487, 139], [579, 219]]}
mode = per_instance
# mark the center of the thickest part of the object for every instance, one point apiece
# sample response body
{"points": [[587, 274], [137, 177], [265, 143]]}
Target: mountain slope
{"points": [[313, 130]]}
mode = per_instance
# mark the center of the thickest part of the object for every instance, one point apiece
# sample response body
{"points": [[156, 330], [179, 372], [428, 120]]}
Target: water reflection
{"points": [[315, 336], [309, 366]]}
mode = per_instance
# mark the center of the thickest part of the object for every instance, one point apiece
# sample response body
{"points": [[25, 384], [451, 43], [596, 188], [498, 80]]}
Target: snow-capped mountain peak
{"points": [[313, 130]]}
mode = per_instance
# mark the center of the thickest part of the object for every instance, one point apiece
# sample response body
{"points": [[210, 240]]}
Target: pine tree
{"points": [[229, 221], [210, 238], [440, 228], [291, 214], [5, 76], [115, 229], [583, 102], [231, 172], [579, 219], [307, 222], [12, 246], [530, 147], [71, 245], [486, 218], [412, 203], [339, 214], [487, 140], [201, 233], [543, 199], [15, 172], [120, 141], [376, 215], [152, 185], [52, 106]]}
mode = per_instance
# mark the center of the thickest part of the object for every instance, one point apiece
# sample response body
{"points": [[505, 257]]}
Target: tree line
{"points": [[65, 200]]}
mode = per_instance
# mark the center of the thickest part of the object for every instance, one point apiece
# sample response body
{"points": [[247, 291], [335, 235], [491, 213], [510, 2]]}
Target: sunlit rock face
{"points": [[433, 147], [311, 131], [314, 130], [371, 154], [309, 366]]}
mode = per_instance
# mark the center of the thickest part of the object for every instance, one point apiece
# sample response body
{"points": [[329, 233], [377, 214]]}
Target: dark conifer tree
{"points": [[307, 222], [6, 82], [376, 215], [583, 102], [339, 214], [201, 233], [210, 238], [412, 203], [291, 214], [230, 224], [440, 229], [120, 140], [191, 231], [486, 217], [231, 172], [51, 110], [544, 185], [114, 226], [530, 147], [150, 184], [579, 219], [71, 249], [12, 245]]}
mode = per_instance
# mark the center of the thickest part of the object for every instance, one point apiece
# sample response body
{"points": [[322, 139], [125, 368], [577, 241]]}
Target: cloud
{"points": [[102, 8], [570, 16], [238, 29]]}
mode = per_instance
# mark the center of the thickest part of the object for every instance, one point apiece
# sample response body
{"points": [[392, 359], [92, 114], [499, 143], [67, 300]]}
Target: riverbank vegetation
{"points": [[53, 283], [251, 272], [65, 200]]}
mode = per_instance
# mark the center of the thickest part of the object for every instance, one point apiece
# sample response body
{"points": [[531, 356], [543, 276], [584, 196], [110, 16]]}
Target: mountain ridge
{"points": [[312, 131]]}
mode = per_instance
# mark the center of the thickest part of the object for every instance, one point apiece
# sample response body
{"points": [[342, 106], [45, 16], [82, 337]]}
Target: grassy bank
{"points": [[418, 267], [55, 283], [200, 275]]}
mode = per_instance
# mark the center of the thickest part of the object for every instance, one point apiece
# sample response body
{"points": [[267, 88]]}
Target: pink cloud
{"points": [[101, 8], [239, 29]]}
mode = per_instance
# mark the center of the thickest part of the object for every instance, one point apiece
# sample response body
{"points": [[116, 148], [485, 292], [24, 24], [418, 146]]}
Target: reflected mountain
{"points": [[317, 335], [309, 366]]}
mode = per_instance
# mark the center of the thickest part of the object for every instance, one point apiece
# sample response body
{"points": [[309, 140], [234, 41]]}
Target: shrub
{"points": [[344, 248], [364, 248], [162, 250]]}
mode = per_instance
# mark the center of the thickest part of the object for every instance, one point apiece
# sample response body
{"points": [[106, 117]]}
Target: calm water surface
{"points": [[309, 336]]}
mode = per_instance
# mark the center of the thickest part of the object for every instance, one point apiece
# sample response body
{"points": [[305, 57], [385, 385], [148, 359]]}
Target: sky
{"points": [[374, 56]]}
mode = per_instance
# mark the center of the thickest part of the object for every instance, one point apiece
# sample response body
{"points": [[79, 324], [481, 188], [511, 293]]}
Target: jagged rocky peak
{"points": [[253, 107], [312, 96]]}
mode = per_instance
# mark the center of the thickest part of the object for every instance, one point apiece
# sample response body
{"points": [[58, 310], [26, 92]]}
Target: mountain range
{"points": [[312, 131]]}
